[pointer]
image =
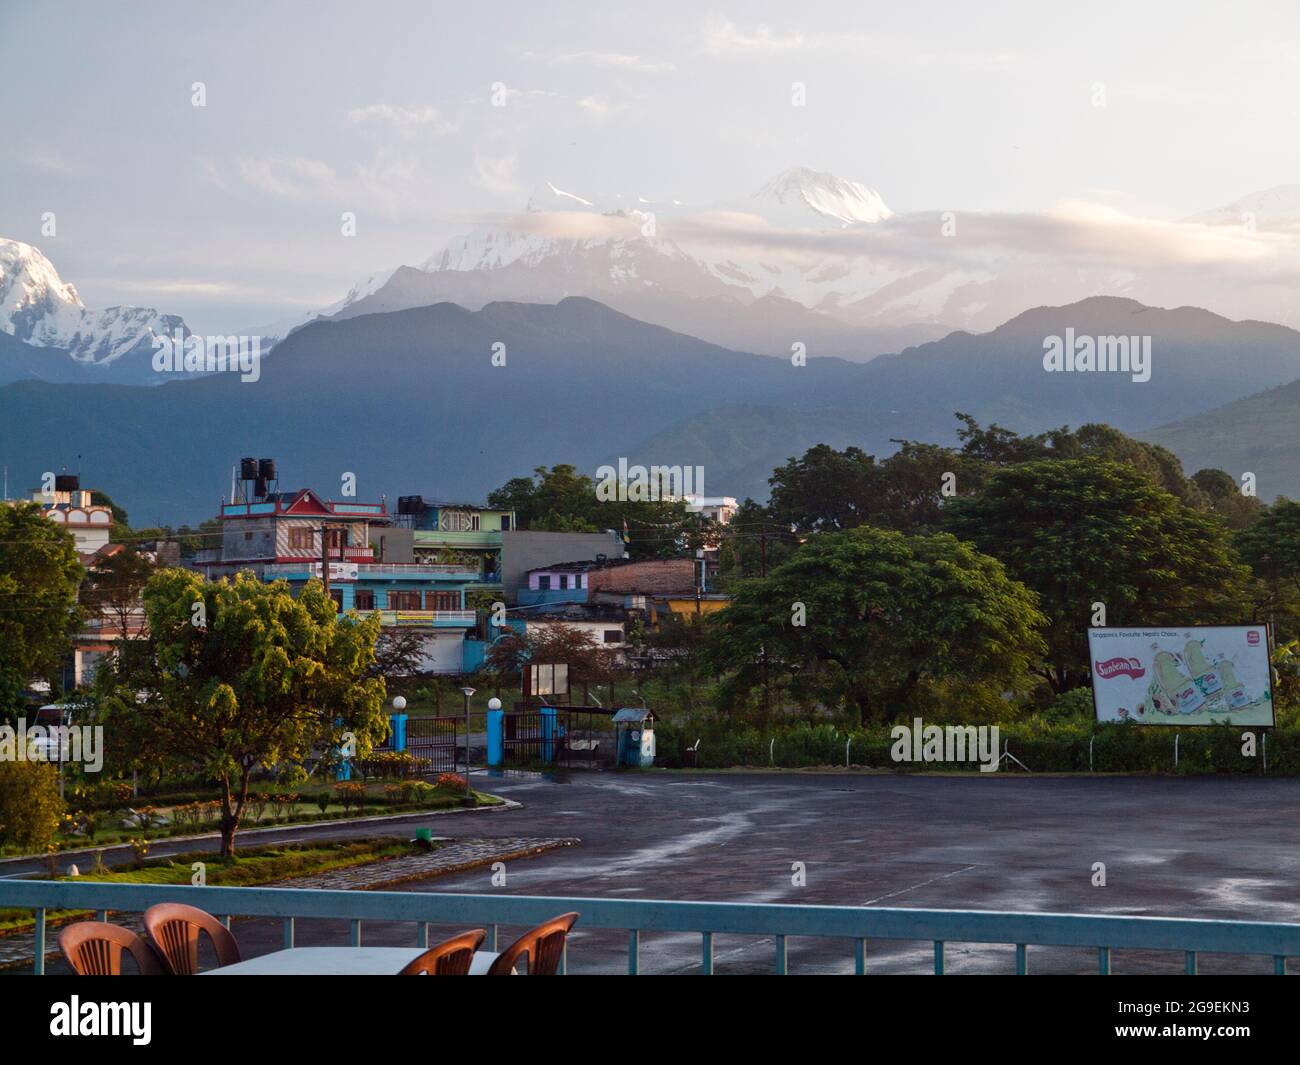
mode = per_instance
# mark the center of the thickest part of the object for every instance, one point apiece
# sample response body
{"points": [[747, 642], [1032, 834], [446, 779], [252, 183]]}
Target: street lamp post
{"points": [[469, 693]]}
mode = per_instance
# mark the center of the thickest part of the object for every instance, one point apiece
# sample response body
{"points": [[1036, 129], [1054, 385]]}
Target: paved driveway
{"points": [[1196, 847]]}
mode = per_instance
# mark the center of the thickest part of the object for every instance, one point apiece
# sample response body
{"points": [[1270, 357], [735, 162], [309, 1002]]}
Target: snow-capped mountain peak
{"points": [[33, 297], [1278, 207], [39, 308], [801, 189]]}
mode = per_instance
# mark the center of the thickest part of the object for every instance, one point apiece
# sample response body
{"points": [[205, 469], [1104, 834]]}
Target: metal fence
{"points": [[434, 739], [856, 925]]}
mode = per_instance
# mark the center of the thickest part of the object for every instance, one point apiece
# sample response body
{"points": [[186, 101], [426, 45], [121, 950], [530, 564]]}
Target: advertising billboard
{"points": [[1202, 675]]}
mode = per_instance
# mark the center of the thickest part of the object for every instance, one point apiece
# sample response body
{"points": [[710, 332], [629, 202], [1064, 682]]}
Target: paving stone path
{"points": [[452, 857]]}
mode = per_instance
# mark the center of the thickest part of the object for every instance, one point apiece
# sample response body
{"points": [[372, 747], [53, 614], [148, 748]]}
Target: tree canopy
{"points": [[1086, 531], [39, 577], [864, 617], [242, 676]]}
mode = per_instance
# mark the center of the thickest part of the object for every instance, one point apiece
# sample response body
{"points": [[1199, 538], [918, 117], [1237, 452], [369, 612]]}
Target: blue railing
{"points": [[857, 924]]}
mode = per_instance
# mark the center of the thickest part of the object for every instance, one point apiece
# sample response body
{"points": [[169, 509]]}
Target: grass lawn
{"points": [[378, 803], [256, 865]]}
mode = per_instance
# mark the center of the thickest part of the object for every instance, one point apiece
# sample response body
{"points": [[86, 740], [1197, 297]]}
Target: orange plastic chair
{"points": [[452, 957], [543, 945], [94, 948], [175, 929]]}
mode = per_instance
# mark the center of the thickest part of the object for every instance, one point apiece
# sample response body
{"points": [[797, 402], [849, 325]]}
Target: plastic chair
{"points": [[94, 948], [175, 929], [452, 957], [543, 945]]}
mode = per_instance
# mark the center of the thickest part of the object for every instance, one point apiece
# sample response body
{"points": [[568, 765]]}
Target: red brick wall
{"points": [[660, 576]]}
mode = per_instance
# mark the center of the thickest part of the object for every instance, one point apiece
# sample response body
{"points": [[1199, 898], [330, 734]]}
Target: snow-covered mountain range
{"points": [[41, 309], [815, 258]]}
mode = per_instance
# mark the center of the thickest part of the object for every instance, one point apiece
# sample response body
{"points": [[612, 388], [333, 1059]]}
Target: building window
{"points": [[337, 595], [544, 582], [365, 599], [613, 636], [338, 537], [564, 582], [301, 539], [505, 522], [248, 536], [473, 522], [403, 600], [442, 600]]}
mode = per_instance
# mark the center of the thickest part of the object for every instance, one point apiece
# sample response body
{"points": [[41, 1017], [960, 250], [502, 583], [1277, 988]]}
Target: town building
{"points": [[69, 505], [299, 535]]}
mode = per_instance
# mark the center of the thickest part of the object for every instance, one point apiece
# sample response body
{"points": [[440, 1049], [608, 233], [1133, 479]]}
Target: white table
{"points": [[340, 961]]}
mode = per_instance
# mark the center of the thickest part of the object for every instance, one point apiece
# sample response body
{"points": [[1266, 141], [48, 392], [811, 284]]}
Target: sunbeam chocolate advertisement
{"points": [[1205, 675]]}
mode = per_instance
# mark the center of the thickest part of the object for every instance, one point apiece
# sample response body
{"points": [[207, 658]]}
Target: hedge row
{"points": [[1123, 748]]}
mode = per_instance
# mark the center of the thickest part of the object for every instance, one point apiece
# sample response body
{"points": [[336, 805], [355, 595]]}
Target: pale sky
{"points": [[229, 214]]}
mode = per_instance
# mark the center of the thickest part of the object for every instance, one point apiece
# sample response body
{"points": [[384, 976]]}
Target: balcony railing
{"points": [[857, 925], [455, 618]]}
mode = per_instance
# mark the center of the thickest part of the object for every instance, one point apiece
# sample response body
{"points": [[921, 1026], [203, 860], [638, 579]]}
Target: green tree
{"points": [[114, 586], [39, 576], [559, 499], [244, 676], [1086, 531], [1271, 547], [867, 616], [30, 807], [826, 490]]}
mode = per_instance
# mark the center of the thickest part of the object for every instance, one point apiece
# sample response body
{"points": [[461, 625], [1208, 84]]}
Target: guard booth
{"points": [[635, 733]]}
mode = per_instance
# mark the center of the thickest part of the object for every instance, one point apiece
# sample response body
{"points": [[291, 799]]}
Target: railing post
{"points": [[288, 933], [781, 958], [563, 968], [492, 937], [356, 932], [1022, 961], [422, 934], [860, 957], [1103, 961], [1279, 965], [633, 952], [39, 960], [101, 915], [938, 957], [706, 958], [1189, 962]]}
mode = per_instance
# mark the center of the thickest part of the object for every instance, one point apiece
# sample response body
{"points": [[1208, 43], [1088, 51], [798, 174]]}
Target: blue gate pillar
{"points": [[496, 737], [546, 732], [398, 721]]}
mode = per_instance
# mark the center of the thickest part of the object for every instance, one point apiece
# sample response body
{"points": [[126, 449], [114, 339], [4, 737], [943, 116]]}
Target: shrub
{"points": [[30, 807]]}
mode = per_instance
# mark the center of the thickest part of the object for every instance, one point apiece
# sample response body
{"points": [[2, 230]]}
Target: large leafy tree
{"points": [[39, 576], [560, 499], [243, 676], [1085, 531], [865, 617], [1271, 547]]}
